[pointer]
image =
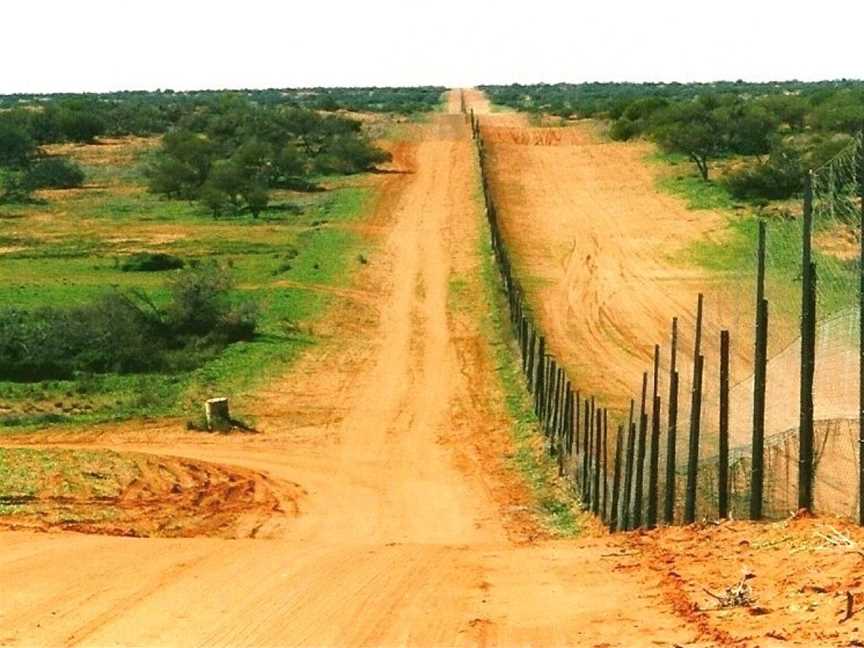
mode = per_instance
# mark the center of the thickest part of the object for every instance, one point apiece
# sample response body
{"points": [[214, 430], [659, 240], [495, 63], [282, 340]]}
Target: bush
{"points": [[126, 332], [151, 262], [54, 173], [780, 177], [623, 129]]}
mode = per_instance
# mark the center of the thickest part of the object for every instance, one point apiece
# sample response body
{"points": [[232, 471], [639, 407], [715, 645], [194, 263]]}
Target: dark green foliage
{"points": [[151, 262], [706, 121], [182, 166], [779, 177], [16, 144], [126, 332], [53, 173], [231, 154]]}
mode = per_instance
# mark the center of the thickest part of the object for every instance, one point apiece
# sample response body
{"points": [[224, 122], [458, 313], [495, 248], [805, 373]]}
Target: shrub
{"points": [[781, 176], [54, 173], [151, 262], [125, 332], [16, 145], [623, 129]]}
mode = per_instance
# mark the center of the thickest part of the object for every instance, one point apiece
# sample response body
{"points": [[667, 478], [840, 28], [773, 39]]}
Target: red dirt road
{"points": [[409, 529]]}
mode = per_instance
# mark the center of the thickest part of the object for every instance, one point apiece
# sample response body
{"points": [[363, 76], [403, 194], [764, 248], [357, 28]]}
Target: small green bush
{"points": [[151, 262], [126, 332], [53, 173], [778, 178]]}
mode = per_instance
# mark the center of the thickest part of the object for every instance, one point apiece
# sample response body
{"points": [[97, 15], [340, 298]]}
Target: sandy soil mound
{"points": [[132, 494]]}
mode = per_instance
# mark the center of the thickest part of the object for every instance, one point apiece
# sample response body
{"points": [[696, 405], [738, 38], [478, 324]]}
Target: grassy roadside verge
{"points": [[286, 264], [557, 506]]}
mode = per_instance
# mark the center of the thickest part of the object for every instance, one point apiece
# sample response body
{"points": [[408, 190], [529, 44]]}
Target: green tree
{"points": [[16, 145], [695, 129]]}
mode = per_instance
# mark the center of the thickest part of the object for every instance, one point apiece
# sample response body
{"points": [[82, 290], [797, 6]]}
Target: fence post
{"points": [[616, 482], [723, 460], [695, 421], [808, 354], [540, 360], [598, 434], [861, 330], [628, 472], [586, 451], [669, 504], [605, 490], [760, 369], [654, 457], [640, 457]]}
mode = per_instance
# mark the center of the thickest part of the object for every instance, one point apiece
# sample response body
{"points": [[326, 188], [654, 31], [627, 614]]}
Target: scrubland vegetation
{"points": [[763, 137], [156, 248]]}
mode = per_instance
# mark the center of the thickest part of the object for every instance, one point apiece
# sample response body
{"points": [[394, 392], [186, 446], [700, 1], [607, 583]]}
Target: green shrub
{"points": [[151, 262], [54, 173], [125, 332], [623, 129], [780, 177]]}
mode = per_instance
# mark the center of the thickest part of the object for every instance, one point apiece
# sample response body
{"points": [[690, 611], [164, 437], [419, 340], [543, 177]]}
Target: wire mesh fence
{"points": [[752, 405]]}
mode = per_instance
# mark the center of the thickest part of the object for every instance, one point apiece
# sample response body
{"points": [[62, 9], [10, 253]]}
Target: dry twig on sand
{"points": [[738, 595]]}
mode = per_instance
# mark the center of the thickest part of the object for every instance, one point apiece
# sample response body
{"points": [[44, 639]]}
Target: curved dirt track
{"points": [[597, 243], [410, 529]]}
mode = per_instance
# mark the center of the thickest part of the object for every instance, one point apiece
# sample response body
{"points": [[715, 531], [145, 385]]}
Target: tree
{"points": [[180, 168], [16, 145], [80, 125], [695, 129]]}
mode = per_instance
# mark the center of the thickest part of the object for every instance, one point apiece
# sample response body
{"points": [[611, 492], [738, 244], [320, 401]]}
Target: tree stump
{"points": [[217, 414]]}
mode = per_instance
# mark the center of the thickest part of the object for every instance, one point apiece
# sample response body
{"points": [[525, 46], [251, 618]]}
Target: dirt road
{"points": [[408, 529]]}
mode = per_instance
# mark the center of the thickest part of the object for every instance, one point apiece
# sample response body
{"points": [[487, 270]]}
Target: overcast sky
{"points": [[96, 45]]}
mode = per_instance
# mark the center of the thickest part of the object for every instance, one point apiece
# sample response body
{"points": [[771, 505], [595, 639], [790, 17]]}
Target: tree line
{"points": [[777, 129]]}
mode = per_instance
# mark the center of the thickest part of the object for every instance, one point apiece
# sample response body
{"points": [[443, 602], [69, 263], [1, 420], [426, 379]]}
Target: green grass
{"points": [[687, 184], [27, 473], [733, 255], [557, 507], [68, 250], [557, 504]]}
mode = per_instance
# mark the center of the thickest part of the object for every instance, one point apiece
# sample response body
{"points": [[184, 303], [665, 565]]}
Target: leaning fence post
{"points": [[654, 457], [672, 432], [695, 421], [723, 460], [639, 485], [808, 354]]}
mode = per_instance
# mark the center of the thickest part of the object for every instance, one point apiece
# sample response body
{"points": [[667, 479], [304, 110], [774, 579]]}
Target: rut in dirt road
{"points": [[398, 437]]}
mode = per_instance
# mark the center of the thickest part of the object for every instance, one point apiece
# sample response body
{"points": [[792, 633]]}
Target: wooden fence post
{"points": [[598, 442], [808, 354], [723, 460], [639, 486], [616, 482], [760, 369], [654, 457], [605, 490], [695, 421], [627, 516], [861, 330], [672, 432]]}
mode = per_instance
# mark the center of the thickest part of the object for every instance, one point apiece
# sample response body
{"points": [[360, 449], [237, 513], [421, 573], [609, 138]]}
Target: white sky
{"points": [[98, 45]]}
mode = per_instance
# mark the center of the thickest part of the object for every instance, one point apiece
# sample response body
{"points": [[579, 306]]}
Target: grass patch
{"points": [[71, 247], [557, 505], [27, 474]]}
